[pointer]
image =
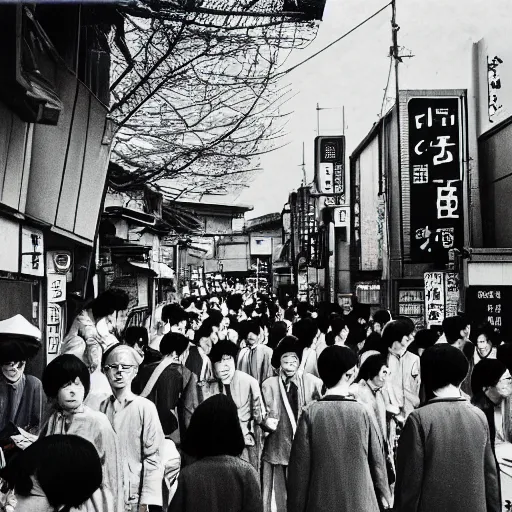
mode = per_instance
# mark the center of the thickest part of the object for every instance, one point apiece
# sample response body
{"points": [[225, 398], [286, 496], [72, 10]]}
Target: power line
{"points": [[335, 41], [387, 85]]}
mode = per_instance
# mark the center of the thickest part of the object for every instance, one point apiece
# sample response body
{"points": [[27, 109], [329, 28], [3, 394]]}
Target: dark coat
{"points": [[27, 413], [445, 460], [174, 394], [336, 461], [218, 484]]}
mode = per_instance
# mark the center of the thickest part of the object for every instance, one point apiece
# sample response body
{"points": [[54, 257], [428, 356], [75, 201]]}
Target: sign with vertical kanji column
{"points": [[435, 166]]}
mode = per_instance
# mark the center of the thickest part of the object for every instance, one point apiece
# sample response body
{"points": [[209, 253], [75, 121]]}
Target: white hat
{"points": [[18, 326]]}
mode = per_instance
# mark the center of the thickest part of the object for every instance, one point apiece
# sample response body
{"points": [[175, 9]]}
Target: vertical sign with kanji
{"points": [[435, 149], [330, 168]]}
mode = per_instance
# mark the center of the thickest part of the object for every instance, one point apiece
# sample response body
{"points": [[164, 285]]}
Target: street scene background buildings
{"points": [[401, 206]]}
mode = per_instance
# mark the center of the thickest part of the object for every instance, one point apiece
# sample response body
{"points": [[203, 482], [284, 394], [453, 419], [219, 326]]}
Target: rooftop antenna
{"points": [[303, 165]]}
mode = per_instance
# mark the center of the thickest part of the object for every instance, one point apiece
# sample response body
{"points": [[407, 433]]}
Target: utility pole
{"points": [[318, 120], [395, 54]]}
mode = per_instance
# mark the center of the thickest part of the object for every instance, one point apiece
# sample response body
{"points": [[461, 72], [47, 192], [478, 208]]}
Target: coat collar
{"points": [[338, 398]]}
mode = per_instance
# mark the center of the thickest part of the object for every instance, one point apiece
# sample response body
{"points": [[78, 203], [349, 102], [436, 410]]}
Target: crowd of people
{"points": [[247, 403]]}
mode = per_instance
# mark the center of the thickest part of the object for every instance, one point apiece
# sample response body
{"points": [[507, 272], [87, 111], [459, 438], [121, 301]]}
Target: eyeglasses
{"points": [[118, 367], [12, 364]]}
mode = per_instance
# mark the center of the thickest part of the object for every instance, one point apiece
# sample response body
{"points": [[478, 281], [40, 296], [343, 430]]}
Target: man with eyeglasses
{"points": [[136, 422]]}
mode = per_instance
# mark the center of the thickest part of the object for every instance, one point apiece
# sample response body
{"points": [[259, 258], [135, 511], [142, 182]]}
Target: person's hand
{"points": [[272, 423], [249, 440], [143, 508]]}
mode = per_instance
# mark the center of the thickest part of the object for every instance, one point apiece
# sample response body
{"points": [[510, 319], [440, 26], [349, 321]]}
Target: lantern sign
{"points": [[435, 166], [330, 166]]}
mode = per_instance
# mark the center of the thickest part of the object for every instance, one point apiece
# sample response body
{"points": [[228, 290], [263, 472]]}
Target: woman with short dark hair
{"points": [[219, 481], [336, 462], [66, 382], [58, 472]]}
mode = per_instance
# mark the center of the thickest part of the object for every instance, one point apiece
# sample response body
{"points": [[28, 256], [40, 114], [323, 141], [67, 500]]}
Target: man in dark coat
{"points": [[170, 386], [336, 462], [445, 460]]}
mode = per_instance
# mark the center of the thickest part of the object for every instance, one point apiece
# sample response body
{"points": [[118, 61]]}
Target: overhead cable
{"points": [[289, 70]]}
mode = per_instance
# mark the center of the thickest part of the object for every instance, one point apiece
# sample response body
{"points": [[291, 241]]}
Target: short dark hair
{"points": [[362, 311], [338, 323], [108, 302], [442, 365], [223, 348], [204, 331], [425, 338], [452, 326], [303, 309], [174, 314], [334, 362], [305, 330], [371, 367], [486, 373], [193, 317], [374, 342], [214, 429], [504, 354], [67, 467], [395, 330], [186, 302], [235, 302], [289, 314], [62, 370], [173, 342], [277, 332], [136, 334], [381, 317], [215, 317]]}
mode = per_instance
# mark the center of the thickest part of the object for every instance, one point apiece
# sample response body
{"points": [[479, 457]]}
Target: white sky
{"points": [[353, 73]]}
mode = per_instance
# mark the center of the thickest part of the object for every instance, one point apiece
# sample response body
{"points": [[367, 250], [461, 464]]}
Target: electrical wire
{"points": [[289, 70], [387, 86]]}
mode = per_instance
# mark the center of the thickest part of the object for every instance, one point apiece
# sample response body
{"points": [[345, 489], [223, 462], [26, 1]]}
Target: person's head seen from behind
{"points": [[443, 368], [337, 367]]}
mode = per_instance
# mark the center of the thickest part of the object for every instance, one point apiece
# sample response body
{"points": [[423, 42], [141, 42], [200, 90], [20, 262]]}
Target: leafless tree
{"points": [[196, 94]]}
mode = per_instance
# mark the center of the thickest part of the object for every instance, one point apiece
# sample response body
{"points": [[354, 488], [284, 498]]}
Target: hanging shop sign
{"points": [[435, 167], [56, 287], [54, 330], [32, 252], [441, 296], [341, 214], [330, 167]]}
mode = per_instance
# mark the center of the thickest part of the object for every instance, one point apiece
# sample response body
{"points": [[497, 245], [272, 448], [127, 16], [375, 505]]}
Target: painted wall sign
{"points": [[435, 166], [493, 305]]}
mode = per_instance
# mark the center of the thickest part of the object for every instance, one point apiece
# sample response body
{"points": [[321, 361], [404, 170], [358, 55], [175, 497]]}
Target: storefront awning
{"points": [[164, 271], [143, 267]]}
